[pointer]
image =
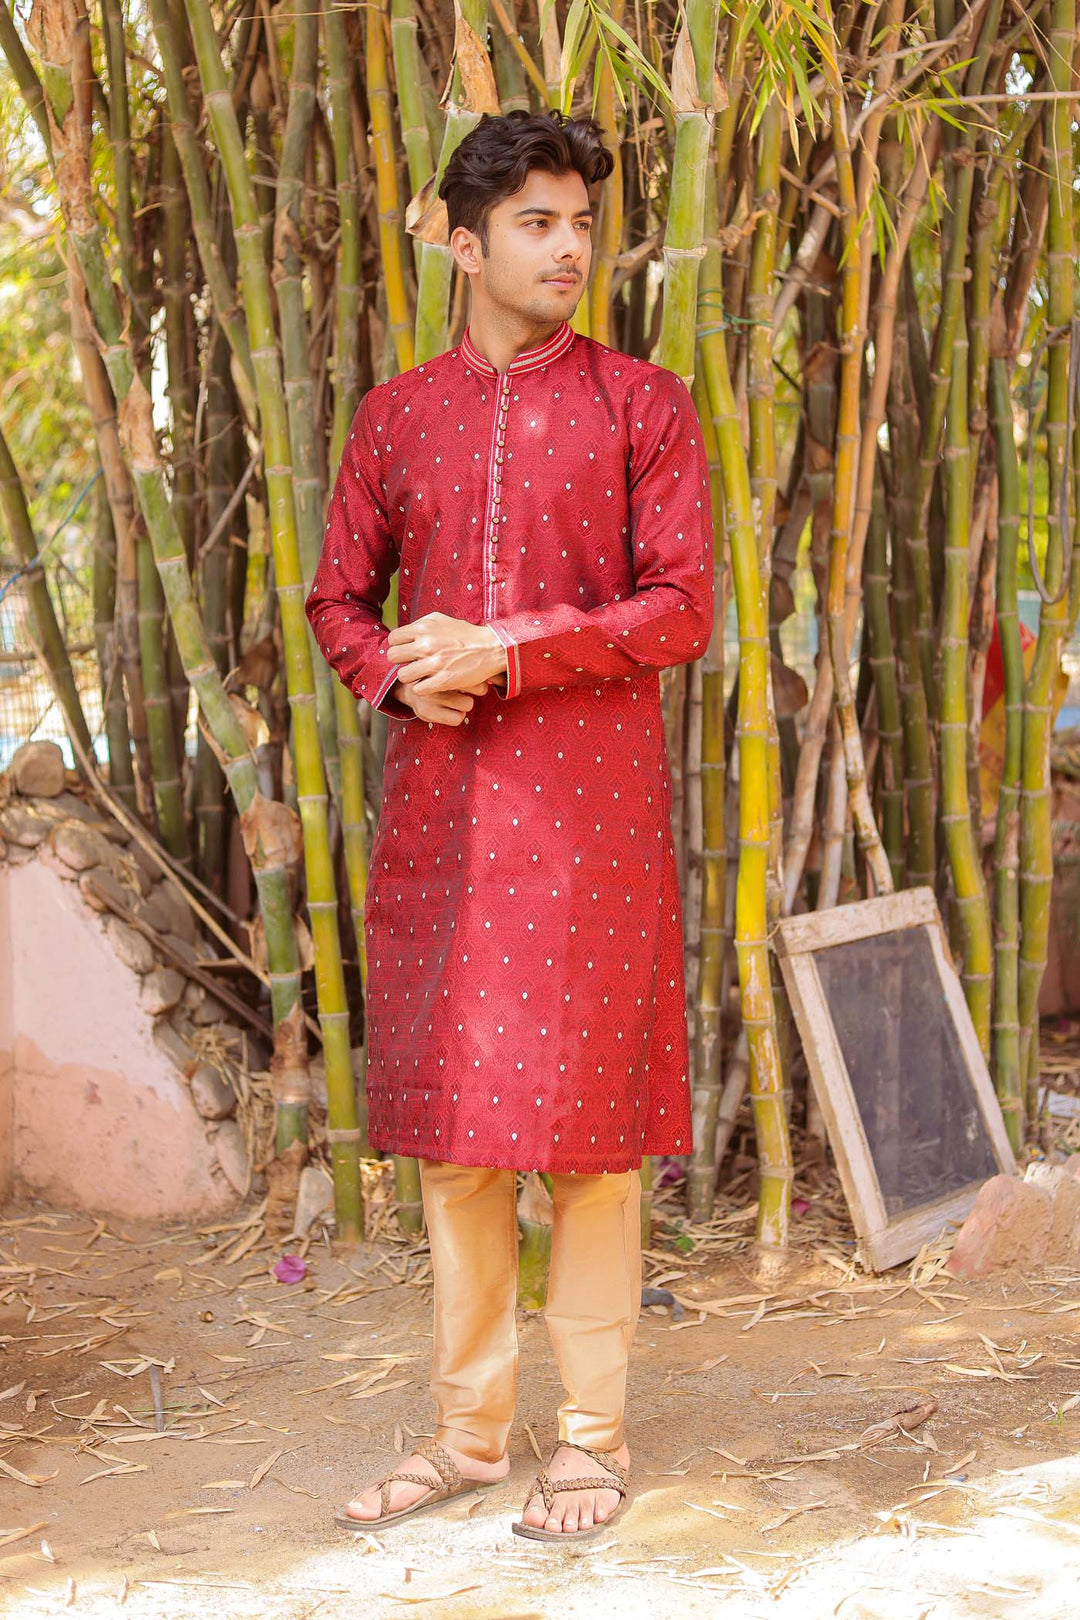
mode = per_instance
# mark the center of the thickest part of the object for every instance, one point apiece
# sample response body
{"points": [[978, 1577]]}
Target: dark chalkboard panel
{"points": [[908, 1071], [896, 1066]]}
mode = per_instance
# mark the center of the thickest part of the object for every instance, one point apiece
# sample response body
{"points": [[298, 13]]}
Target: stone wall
{"points": [[109, 1100]]}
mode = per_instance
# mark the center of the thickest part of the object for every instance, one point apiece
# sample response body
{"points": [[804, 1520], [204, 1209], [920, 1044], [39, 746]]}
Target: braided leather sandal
{"points": [[453, 1484], [617, 1478]]}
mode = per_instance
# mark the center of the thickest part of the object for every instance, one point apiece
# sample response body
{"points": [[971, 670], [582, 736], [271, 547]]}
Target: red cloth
{"points": [[526, 1005]]}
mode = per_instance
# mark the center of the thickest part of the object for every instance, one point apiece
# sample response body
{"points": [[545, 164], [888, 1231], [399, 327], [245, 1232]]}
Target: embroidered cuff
{"points": [[513, 663]]}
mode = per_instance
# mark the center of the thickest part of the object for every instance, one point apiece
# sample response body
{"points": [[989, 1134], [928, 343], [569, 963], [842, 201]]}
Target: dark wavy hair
{"points": [[495, 158]]}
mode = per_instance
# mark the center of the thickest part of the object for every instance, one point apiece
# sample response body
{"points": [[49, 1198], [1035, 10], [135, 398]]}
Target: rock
{"points": [[131, 947], [103, 878], [208, 1011], [176, 1048], [183, 948], [177, 916], [80, 847], [1010, 1226], [161, 990], [37, 770], [23, 825], [211, 1093], [315, 1195], [230, 1151], [149, 870]]}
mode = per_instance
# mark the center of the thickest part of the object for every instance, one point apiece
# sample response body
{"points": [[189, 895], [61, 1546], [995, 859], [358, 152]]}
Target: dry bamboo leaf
{"points": [[151, 1536], [474, 66], [265, 1467], [224, 1485], [47, 1553], [271, 833], [910, 1417], [426, 217], [399, 1440], [9, 1536], [16, 1389], [36, 1480], [791, 1513], [119, 1468], [684, 84], [677, 1327], [382, 1389], [436, 1595], [712, 1512], [191, 1512], [537, 1453]]}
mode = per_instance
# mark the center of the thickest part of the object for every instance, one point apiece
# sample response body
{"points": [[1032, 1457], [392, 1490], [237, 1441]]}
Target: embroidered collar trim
{"points": [[556, 345]]}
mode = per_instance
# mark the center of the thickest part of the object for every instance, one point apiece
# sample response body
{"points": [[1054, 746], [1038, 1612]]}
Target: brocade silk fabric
{"points": [[525, 1004]]}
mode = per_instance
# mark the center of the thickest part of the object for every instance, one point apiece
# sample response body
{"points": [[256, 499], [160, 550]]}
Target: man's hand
{"points": [[438, 708], [438, 654]]}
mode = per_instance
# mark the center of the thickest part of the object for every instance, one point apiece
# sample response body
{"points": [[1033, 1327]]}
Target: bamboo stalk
{"points": [[386, 185], [751, 941], [1006, 1020], [1036, 845], [289, 590], [972, 908]]}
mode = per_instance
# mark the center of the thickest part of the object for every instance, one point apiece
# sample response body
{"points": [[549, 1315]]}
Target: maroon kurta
{"points": [[524, 938]]}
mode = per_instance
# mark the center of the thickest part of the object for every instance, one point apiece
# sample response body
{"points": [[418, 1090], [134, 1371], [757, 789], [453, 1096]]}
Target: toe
{"points": [[536, 1515], [553, 1523], [570, 1515]]}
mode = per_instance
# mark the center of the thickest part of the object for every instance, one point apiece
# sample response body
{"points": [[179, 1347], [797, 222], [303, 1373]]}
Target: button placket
{"points": [[494, 498]]}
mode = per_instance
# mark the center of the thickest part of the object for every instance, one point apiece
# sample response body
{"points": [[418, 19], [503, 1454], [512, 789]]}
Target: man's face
{"points": [[539, 250]]}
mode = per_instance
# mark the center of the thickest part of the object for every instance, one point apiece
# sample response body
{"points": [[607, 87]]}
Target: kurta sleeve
{"points": [[667, 619], [352, 581]]}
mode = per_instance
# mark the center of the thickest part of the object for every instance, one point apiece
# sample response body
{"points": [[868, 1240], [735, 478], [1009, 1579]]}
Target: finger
{"points": [[478, 691], [414, 672], [402, 633], [403, 652]]}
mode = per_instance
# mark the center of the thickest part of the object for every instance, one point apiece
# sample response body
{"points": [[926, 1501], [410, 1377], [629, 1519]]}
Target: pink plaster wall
{"points": [[97, 1117]]}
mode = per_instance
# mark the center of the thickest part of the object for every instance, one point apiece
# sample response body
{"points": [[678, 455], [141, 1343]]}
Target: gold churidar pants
{"points": [[593, 1301]]}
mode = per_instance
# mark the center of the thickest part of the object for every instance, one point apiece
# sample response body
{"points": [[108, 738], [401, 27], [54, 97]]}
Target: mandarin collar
{"points": [[557, 344]]}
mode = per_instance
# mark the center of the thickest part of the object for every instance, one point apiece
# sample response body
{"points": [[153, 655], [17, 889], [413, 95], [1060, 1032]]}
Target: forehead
{"points": [[566, 193]]}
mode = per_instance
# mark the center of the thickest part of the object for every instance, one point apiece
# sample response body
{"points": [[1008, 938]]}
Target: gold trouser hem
{"points": [[593, 1302]]}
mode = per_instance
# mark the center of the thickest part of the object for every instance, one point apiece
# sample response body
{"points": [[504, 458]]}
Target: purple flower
{"points": [[290, 1269]]}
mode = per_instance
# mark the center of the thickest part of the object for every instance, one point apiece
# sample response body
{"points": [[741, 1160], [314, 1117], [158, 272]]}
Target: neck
{"points": [[501, 339]]}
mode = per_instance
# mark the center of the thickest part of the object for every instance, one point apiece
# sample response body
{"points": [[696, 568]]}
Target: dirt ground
{"points": [[757, 1489]]}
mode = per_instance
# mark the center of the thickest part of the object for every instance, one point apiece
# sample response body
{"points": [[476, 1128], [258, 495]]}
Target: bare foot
{"points": [[403, 1493], [574, 1509]]}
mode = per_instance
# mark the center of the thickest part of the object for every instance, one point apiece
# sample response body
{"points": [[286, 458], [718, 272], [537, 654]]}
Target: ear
{"points": [[465, 246]]}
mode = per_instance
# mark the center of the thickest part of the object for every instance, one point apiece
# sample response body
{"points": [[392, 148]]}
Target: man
{"points": [[547, 501]]}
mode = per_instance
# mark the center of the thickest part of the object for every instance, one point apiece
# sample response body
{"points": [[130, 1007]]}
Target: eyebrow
{"points": [[553, 213]]}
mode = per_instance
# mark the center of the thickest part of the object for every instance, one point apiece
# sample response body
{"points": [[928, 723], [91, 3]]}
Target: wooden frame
{"points": [[883, 1242]]}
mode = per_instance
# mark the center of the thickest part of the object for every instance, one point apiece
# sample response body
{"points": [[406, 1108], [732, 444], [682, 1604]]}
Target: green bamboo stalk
{"points": [[883, 666], [692, 94], [221, 456], [972, 908], [508, 57], [751, 932], [437, 264], [1006, 1025], [919, 782], [182, 126], [118, 739], [289, 584], [609, 229], [47, 632], [392, 264], [168, 793], [348, 281], [851, 340], [708, 1078], [288, 274], [1036, 847]]}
